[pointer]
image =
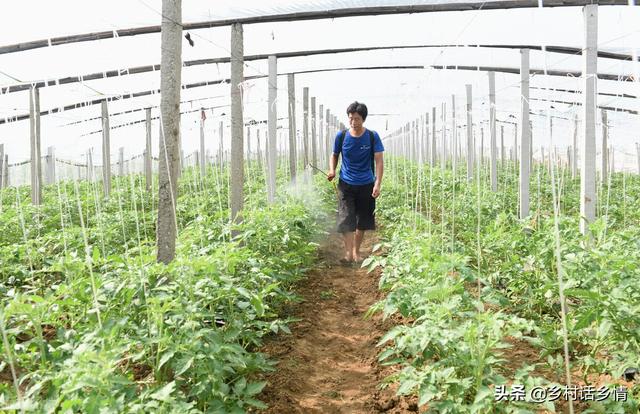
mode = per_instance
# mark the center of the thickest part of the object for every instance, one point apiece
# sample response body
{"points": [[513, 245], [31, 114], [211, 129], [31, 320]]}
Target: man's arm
{"points": [[333, 164], [379, 173]]}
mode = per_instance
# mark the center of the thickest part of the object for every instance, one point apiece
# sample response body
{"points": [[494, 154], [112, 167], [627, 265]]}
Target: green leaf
{"points": [[95, 254], [604, 328], [391, 335], [366, 262], [244, 292], [240, 386], [407, 386], [255, 387], [386, 354], [483, 392], [582, 294], [425, 395], [256, 302], [165, 357], [164, 393], [586, 319], [185, 366], [25, 405], [256, 403]]}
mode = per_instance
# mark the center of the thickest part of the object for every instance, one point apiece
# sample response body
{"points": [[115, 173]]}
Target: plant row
{"points": [[468, 282]]}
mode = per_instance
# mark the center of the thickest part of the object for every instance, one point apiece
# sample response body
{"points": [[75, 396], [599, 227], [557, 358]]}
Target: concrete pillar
{"points": [[530, 145], [51, 166], [291, 89], [121, 161], [427, 141], [221, 146], [324, 147], [588, 147], [417, 140], [470, 147], [330, 136], [612, 165], [272, 125], [248, 141], [444, 136], [34, 126], [169, 136], [417, 143], [481, 146], [574, 148], [404, 141], [454, 136], [106, 150], [637, 155], [493, 156], [305, 126], [314, 149], [551, 149], [434, 151], [525, 138], [502, 149], [410, 131], [259, 150], [420, 156], [90, 165], [604, 168], [203, 161], [147, 152], [2, 163], [5, 171], [515, 143], [237, 141]]}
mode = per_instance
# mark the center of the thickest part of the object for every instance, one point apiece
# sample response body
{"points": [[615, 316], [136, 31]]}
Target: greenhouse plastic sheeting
{"points": [[393, 95]]}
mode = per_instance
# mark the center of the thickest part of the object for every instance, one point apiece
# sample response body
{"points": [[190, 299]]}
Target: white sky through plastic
{"points": [[396, 96]]}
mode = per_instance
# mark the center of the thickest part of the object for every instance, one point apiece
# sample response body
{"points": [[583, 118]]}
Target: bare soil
{"points": [[329, 363]]}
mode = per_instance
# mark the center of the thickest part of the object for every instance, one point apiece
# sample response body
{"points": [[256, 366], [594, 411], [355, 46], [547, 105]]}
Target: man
{"points": [[359, 185]]}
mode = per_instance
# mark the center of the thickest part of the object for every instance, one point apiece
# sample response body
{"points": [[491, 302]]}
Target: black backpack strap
{"points": [[341, 137], [373, 152]]}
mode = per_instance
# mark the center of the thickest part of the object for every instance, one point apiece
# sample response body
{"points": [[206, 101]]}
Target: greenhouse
{"points": [[334, 206]]}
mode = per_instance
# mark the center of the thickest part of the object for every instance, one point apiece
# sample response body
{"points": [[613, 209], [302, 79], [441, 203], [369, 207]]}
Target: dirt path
{"points": [[329, 363]]}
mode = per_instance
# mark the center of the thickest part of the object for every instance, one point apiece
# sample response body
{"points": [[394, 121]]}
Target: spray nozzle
{"points": [[317, 169]]}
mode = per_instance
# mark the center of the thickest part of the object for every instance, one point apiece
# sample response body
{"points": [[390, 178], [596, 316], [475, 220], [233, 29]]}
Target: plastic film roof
{"points": [[393, 96]]}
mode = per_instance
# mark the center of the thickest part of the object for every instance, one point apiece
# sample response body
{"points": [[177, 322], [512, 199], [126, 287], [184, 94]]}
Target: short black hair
{"points": [[359, 108]]}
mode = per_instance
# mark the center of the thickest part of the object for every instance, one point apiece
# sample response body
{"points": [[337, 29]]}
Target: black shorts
{"points": [[356, 207]]}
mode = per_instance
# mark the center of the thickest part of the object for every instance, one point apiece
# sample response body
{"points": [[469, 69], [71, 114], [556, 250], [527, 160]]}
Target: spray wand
{"points": [[326, 175]]}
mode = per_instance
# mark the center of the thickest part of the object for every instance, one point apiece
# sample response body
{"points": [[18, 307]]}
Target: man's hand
{"points": [[376, 190], [331, 175]]}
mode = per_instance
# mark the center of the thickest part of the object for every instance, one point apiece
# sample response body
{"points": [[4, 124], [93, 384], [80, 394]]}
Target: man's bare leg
{"points": [[348, 245], [358, 243]]}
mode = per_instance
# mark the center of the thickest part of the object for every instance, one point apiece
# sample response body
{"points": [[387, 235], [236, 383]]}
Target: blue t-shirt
{"points": [[356, 157]]}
